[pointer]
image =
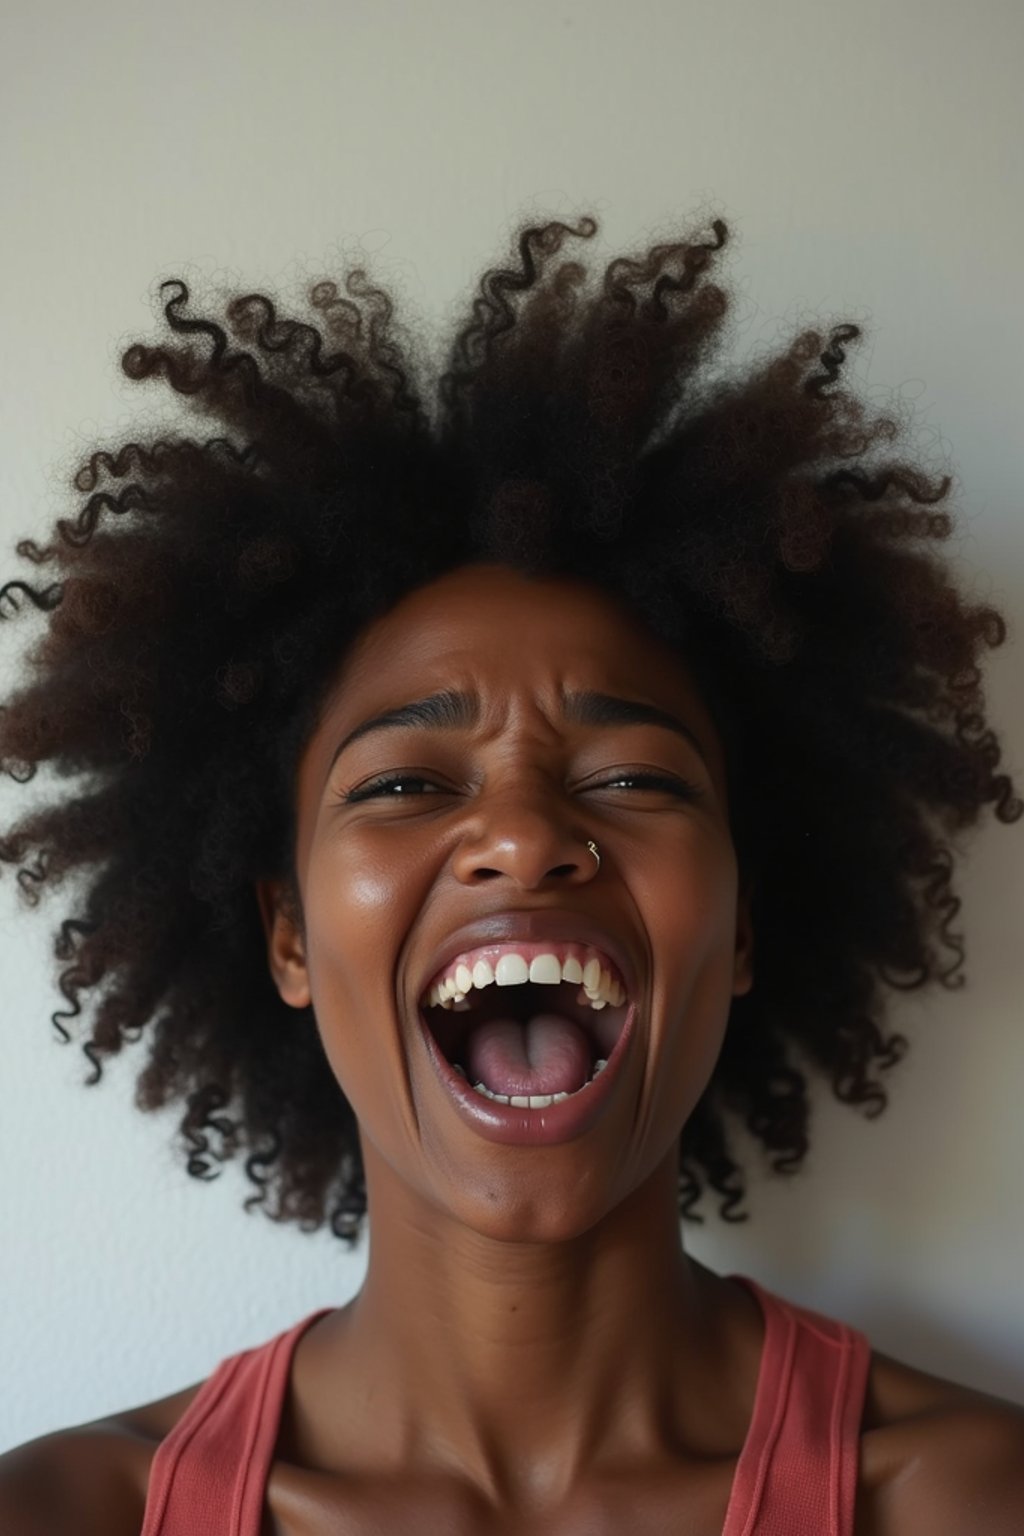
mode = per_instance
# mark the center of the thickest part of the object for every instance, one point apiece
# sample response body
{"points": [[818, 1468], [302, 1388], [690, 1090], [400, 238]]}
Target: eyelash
{"points": [[672, 785]]}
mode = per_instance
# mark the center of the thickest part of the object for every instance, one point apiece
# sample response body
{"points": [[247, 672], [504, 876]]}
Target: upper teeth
{"points": [[598, 986]]}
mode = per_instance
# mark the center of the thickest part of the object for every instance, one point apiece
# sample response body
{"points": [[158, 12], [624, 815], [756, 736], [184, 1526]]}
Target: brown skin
{"points": [[527, 1262], [532, 1350]]}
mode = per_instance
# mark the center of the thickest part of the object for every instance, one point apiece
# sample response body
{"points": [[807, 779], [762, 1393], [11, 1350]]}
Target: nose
{"points": [[526, 839]]}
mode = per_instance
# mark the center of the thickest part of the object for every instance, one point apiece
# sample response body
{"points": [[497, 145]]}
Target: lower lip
{"points": [[533, 1127]]}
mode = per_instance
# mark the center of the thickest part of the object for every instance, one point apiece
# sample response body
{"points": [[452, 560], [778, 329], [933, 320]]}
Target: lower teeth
{"points": [[533, 1100]]}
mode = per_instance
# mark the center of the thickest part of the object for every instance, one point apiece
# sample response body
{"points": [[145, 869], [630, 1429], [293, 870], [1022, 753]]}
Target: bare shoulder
{"points": [[938, 1457], [87, 1481]]}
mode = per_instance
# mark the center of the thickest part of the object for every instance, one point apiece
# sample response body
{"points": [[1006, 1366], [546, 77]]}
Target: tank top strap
{"points": [[797, 1469], [208, 1476], [799, 1464]]}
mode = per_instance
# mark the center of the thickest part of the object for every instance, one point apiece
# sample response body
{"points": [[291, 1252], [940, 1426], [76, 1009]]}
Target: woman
{"points": [[484, 805]]}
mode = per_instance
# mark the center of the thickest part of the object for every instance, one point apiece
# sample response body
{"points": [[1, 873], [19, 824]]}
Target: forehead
{"points": [[508, 631], [514, 642]]}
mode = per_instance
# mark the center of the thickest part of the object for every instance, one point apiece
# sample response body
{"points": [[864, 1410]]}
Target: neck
{"points": [[525, 1367]]}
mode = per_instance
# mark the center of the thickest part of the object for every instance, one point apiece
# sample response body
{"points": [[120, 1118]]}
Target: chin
{"points": [[512, 1208]]}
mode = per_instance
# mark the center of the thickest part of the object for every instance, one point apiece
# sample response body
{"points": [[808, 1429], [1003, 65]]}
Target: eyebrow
{"points": [[453, 710]]}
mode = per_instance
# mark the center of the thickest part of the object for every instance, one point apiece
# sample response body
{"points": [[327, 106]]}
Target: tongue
{"points": [[547, 1054]]}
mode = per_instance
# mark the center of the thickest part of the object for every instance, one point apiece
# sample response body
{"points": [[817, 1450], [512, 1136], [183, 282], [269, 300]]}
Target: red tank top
{"points": [[797, 1470]]}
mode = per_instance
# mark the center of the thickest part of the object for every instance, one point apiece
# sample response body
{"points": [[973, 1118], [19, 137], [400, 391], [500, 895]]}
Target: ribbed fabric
{"points": [[797, 1470], [798, 1467], [208, 1476]]}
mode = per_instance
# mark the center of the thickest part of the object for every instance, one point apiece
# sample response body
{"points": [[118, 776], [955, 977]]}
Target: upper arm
{"points": [[967, 1476], [33, 1494], [69, 1484]]}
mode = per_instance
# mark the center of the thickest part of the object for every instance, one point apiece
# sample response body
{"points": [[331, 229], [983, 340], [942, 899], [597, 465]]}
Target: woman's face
{"points": [[454, 833]]}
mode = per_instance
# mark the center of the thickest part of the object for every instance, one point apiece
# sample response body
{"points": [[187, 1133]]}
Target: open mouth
{"points": [[527, 1025]]}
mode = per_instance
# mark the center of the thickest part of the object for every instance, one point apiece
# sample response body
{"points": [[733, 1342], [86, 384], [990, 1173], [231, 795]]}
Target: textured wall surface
{"points": [[868, 160]]}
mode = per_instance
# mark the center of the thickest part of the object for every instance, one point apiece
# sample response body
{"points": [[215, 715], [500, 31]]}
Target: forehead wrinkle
{"points": [[457, 709], [447, 709]]}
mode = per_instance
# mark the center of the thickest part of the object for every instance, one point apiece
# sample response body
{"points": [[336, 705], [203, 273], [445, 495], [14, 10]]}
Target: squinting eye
{"points": [[378, 788], [392, 786], [667, 782]]}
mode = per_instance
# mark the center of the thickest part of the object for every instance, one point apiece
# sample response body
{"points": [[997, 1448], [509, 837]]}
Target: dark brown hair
{"points": [[199, 604]]}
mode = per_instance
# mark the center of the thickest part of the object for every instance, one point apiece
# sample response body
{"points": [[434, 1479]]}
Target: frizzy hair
{"points": [[197, 608]]}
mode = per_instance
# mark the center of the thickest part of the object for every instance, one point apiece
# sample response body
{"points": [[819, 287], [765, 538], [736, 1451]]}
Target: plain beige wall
{"points": [[868, 160]]}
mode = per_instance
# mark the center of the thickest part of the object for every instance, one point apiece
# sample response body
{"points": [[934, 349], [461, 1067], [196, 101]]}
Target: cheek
{"points": [[694, 944], [354, 910], [364, 880], [355, 922], [692, 901]]}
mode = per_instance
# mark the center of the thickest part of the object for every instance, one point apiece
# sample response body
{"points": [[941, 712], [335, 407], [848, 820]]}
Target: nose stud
{"points": [[593, 848]]}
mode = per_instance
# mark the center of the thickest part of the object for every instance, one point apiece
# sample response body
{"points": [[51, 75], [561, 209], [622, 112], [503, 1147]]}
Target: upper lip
{"points": [[531, 926]]}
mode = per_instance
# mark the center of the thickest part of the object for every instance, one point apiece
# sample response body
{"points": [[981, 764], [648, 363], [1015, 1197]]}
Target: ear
{"points": [[743, 963], [286, 945]]}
